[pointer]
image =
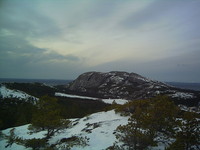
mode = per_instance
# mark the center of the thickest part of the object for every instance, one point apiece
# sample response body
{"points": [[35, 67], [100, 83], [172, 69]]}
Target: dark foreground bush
{"points": [[35, 143]]}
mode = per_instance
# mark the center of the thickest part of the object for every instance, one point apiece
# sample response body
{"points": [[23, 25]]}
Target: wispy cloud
{"points": [[84, 35]]}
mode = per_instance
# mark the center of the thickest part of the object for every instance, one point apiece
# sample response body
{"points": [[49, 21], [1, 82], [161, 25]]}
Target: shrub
{"points": [[35, 143]]}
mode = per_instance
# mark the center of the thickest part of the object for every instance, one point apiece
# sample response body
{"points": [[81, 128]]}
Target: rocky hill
{"points": [[128, 86]]}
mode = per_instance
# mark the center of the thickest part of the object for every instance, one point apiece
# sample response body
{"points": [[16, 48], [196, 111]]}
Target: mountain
{"points": [[128, 86]]}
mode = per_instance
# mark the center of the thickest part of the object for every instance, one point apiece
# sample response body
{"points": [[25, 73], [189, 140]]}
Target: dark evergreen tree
{"points": [[149, 118], [188, 133], [47, 115], [132, 134]]}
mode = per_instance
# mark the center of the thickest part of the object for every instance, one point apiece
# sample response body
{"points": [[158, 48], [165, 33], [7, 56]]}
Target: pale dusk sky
{"points": [[61, 39]]}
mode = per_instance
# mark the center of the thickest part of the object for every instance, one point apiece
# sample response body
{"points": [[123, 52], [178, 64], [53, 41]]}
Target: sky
{"points": [[48, 39]]}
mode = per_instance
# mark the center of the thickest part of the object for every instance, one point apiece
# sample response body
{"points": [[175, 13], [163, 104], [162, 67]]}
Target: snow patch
{"points": [[24, 133], [144, 79], [189, 109], [182, 95], [74, 96], [108, 101], [117, 101], [116, 79]]}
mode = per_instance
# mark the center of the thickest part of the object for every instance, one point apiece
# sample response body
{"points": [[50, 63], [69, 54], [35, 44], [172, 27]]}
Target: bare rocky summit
{"points": [[127, 86]]}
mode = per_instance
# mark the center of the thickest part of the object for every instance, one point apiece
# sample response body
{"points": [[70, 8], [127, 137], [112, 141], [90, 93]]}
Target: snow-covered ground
{"points": [[108, 101], [182, 95], [190, 109], [22, 132], [8, 93], [98, 128]]}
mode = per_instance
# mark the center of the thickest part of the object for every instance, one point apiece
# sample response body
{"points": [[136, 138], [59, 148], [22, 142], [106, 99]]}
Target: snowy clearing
{"points": [[108, 101], [74, 96]]}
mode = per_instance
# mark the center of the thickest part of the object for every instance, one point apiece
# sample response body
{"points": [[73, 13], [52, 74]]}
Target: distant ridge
{"points": [[183, 85], [45, 81]]}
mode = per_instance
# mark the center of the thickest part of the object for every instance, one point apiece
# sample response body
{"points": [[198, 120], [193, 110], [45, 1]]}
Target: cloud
{"points": [[22, 49], [24, 19], [179, 68], [159, 12], [49, 37], [20, 59]]}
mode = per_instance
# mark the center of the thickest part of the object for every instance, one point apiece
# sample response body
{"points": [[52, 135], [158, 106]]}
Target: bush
{"points": [[48, 115], [35, 143], [188, 133], [148, 118], [68, 143]]}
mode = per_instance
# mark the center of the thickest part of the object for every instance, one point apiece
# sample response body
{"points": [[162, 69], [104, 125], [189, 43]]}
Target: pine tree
{"points": [[47, 115], [149, 118], [132, 134], [161, 115], [188, 135]]}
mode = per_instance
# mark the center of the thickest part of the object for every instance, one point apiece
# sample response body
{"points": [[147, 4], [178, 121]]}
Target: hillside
{"points": [[128, 86], [11, 93], [98, 128]]}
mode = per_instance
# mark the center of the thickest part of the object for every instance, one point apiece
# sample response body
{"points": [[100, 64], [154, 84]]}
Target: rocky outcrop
{"points": [[125, 85]]}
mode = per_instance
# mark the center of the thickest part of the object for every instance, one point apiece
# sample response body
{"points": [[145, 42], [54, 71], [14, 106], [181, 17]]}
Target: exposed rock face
{"points": [[124, 85]]}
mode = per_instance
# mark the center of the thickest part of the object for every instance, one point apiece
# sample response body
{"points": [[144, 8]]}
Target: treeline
{"points": [[78, 108], [14, 112], [34, 89]]}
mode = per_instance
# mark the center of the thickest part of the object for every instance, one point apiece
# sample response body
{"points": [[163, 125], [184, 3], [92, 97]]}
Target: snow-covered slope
{"points": [[8, 93], [22, 132], [98, 128]]}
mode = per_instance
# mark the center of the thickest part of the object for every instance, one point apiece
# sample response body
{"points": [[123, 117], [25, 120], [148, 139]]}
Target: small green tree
{"points": [[149, 118], [68, 143], [35, 143], [1, 124], [47, 115], [161, 115], [132, 134]]}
